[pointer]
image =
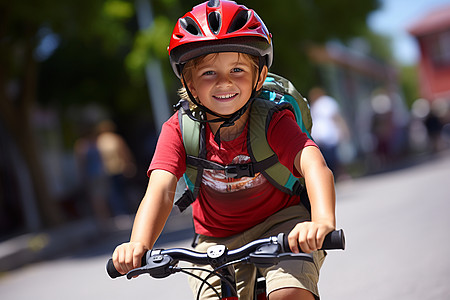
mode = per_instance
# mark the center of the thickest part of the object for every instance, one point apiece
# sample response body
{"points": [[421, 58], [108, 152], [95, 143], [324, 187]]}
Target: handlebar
{"points": [[262, 252]]}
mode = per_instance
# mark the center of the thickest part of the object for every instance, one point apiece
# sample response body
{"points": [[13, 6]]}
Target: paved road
{"points": [[397, 248], [397, 231]]}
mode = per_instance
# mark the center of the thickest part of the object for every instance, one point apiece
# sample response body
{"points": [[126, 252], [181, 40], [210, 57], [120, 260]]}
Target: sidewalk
{"points": [[34, 247]]}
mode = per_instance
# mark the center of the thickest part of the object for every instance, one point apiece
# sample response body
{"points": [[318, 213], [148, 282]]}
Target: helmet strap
{"points": [[202, 107]]}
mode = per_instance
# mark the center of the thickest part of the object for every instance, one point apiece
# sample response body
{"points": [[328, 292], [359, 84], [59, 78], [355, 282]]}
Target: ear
{"points": [[190, 86], [262, 77]]}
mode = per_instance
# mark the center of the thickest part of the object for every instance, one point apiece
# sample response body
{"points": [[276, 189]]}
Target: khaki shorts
{"points": [[291, 273]]}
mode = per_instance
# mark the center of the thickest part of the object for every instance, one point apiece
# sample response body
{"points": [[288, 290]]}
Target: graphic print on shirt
{"points": [[217, 180]]}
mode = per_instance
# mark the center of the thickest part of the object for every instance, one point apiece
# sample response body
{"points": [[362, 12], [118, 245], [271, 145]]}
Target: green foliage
{"points": [[149, 44], [89, 59], [111, 27], [410, 83], [380, 46], [118, 9]]}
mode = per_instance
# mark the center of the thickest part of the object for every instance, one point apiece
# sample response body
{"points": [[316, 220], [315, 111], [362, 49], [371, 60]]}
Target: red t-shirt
{"points": [[226, 206]]}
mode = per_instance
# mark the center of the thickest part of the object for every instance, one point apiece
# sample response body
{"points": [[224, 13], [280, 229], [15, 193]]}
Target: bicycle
{"points": [[265, 252]]}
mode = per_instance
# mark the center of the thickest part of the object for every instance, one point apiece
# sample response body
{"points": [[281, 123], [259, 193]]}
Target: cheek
{"points": [[193, 90]]}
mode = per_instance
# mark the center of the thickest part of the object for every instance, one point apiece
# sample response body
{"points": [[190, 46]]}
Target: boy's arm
{"points": [[154, 208], [151, 217], [319, 180]]}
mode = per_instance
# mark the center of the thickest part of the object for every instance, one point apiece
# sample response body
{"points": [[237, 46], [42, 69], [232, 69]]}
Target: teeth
{"points": [[226, 96]]}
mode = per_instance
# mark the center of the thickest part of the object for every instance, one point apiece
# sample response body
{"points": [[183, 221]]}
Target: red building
{"points": [[433, 35]]}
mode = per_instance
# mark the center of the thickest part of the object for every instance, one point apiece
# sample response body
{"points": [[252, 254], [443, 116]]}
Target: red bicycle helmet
{"points": [[219, 26]]}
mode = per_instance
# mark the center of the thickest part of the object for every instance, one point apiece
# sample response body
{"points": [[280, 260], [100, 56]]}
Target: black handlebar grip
{"points": [[111, 269], [335, 240]]}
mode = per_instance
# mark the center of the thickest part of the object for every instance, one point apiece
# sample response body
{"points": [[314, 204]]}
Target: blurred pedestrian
{"points": [[382, 127], [92, 173], [329, 127], [118, 165], [434, 125]]}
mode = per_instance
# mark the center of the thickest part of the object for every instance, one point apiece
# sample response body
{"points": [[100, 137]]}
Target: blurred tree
{"points": [[30, 31], [410, 83], [379, 46]]}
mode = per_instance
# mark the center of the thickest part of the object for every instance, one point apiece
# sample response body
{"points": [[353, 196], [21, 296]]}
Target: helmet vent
{"points": [[239, 20], [214, 3], [190, 26], [214, 21]]}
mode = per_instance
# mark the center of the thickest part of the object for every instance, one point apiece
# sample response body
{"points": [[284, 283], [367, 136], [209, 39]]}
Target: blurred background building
{"points": [[433, 36], [432, 33]]}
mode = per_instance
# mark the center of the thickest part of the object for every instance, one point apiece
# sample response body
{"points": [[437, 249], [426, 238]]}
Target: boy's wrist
{"points": [[330, 223]]}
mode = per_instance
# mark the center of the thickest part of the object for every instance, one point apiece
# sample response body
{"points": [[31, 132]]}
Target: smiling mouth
{"points": [[225, 97]]}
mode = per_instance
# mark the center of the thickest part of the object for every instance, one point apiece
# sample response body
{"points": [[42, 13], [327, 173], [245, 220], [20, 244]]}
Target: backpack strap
{"points": [[193, 134], [259, 149]]}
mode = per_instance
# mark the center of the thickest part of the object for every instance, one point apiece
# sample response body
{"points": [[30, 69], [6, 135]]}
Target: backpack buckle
{"points": [[239, 171], [185, 200]]}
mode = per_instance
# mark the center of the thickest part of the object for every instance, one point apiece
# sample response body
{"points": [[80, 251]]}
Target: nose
{"points": [[223, 80]]}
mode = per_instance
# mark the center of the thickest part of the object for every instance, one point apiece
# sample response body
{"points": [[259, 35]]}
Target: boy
{"points": [[221, 51]]}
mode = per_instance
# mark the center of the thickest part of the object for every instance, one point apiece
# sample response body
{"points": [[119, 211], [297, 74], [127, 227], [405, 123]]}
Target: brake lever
{"points": [[296, 256], [158, 266], [269, 255]]}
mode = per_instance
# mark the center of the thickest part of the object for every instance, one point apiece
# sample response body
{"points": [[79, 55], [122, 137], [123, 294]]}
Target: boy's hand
{"points": [[128, 256], [309, 235]]}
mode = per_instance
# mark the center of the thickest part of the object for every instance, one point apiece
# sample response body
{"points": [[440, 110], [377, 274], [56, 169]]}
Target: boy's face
{"points": [[223, 82]]}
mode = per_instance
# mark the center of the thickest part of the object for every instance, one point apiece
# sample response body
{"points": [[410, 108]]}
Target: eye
{"points": [[208, 73], [236, 70]]}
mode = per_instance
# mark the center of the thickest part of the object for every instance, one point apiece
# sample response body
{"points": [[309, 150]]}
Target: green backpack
{"points": [[277, 94]]}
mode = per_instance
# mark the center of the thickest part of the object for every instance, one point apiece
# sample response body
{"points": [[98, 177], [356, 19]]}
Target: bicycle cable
{"points": [[215, 272], [183, 270], [204, 281]]}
